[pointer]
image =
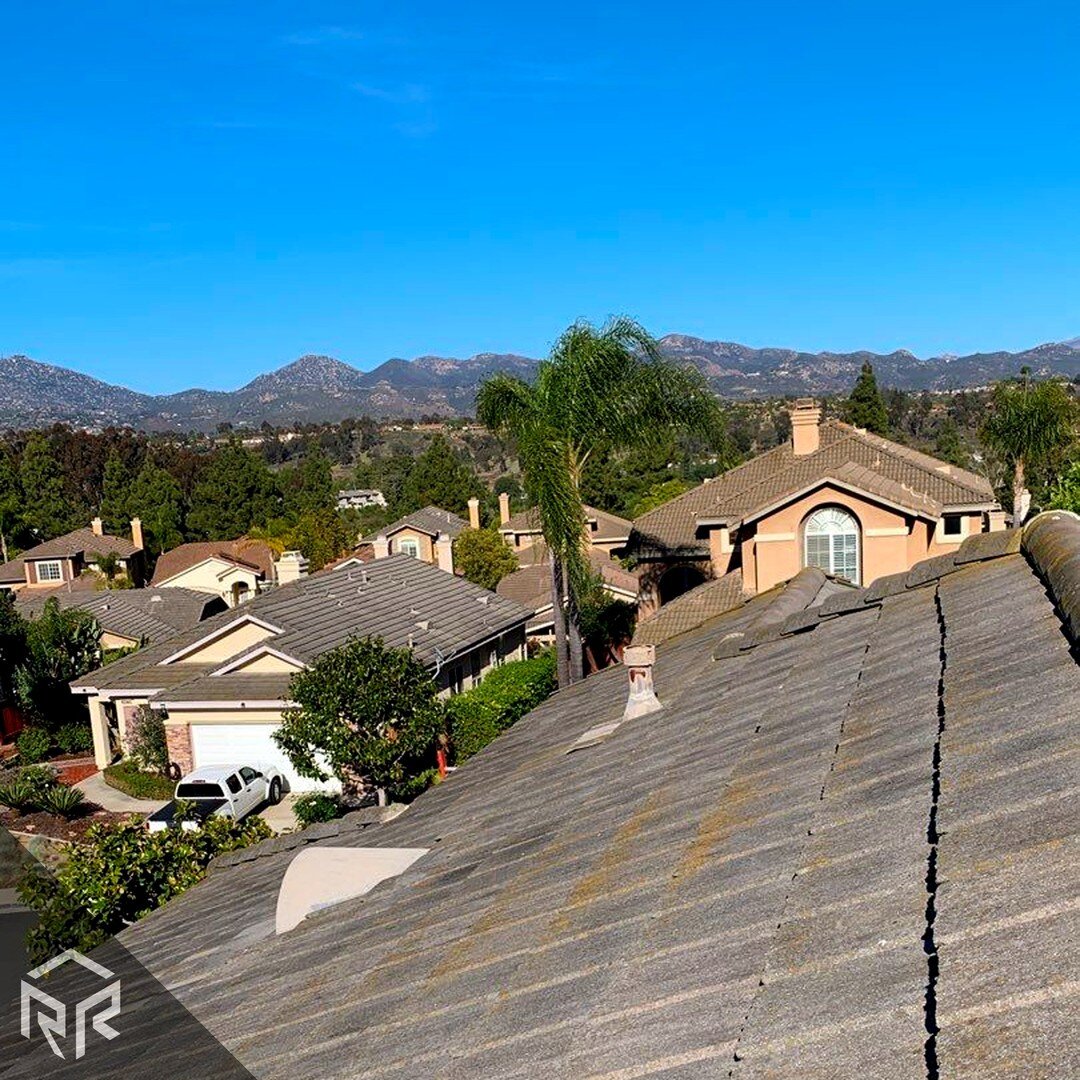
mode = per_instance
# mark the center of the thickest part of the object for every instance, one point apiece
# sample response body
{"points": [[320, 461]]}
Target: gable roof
{"points": [[907, 478], [431, 520], [399, 599], [607, 527], [251, 554], [77, 542], [149, 615], [736, 885], [691, 610]]}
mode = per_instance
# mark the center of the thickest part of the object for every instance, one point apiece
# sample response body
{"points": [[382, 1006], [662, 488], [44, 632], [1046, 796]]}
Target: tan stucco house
{"points": [[855, 505], [65, 558], [224, 683], [605, 532], [235, 570], [427, 535]]}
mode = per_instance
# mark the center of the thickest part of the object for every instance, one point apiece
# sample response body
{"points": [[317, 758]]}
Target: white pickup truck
{"points": [[222, 791]]}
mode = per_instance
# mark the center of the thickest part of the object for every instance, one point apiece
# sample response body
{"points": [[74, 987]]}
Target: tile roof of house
{"points": [[399, 598], [77, 542], [531, 585], [253, 554], [895, 473], [149, 615], [609, 527], [691, 610], [431, 520], [859, 816]]}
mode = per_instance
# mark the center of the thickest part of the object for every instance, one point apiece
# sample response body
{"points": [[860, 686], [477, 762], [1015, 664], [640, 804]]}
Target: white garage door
{"points": [[244, 744]]}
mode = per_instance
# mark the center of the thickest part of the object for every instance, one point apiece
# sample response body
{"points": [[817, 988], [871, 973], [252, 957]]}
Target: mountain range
{"points": [[320, 388]]}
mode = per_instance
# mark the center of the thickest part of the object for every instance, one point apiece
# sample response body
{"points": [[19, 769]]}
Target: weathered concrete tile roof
{"points": [[431, 520], [895, 473], [150, 615], [399, 599], [691, 610], [821, 845]]}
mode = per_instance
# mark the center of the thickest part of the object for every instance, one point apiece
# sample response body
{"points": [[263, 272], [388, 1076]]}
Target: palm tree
{"points": [[1028, 425], [600, 388]]}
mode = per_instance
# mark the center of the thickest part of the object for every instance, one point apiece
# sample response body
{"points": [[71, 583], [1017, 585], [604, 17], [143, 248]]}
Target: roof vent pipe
{"points": [[639, 660]]}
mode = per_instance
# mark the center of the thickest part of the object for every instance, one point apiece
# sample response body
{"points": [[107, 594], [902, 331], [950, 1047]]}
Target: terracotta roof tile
{"points": [[254, 554]]}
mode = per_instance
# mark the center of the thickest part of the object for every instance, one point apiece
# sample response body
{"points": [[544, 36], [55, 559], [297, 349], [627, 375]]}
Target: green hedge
{"points": [[127, 777], [503, 698]]}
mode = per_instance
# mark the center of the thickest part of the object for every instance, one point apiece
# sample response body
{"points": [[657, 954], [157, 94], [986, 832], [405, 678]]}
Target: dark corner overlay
{"points": [[104, 1012]]}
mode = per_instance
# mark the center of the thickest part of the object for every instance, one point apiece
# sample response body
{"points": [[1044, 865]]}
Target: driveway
{"points": [[280, 818]]}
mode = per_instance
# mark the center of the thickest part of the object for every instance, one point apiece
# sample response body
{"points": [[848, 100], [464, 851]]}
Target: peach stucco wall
{"points": [[891, 542], [426, 547]]}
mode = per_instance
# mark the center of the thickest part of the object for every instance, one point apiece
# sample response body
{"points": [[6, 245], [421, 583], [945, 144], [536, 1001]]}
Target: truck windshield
{"points": [[199, 789]]}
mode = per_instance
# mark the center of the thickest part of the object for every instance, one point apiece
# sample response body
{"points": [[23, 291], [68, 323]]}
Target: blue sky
{"points": [[196, 192]]}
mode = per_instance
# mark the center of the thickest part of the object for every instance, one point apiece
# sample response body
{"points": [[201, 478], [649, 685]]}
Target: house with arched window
{"points": [[855, 505]]}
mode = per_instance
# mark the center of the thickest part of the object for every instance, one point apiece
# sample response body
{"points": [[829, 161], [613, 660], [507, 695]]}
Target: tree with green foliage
{"points": [[61, 645], [11, 502], [600, 390], [365, 714], [1064, 492], [865, 407], [156, 499], [116, 511], [13, 628], [45, 509], [322, 535], [658, 494], [119, 874], [1031, 427], [440, 477], [484, 557], [310, 487], [607, 623], [235, 492]]}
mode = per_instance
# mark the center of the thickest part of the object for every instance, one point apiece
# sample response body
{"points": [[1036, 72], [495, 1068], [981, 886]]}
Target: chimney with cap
{"points": [[504, 507], [136, 533], [474, 513], [805, 426], [96, 527], [292, 566], [639, 660]]}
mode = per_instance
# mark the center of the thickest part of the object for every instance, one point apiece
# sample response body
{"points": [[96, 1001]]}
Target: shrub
{"points": [[120, 873], [62, 800], [18, 794], [146, 741], [315, 806], [71, 738], [503, 698], [126, 776], [34, 745], [41, 779]]}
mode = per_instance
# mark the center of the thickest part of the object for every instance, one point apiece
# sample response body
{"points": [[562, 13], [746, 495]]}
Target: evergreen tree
{"points": [[483, 557], [235, 492], [156, 499], [310, 487], [865, 407], [45, 509], [11, 514], [116, 511], [322, 535], [440, 478]]}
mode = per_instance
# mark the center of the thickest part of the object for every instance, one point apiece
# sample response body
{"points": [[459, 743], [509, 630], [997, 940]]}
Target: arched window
{"points": [[831, 542], [678, 580]]}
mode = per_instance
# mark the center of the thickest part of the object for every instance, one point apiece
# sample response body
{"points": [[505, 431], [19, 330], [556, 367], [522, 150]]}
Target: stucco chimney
{"points": [[96, 527], [474, 513], [444, 552], [639, 660], [504, 508], [292, 566], [805, 426], [381, 546], [136, 533]]}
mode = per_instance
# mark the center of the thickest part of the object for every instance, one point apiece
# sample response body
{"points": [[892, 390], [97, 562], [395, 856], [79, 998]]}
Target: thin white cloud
{"points": [[324, 35]]}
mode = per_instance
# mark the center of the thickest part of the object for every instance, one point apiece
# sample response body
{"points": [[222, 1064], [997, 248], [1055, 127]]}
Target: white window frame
{"points": [[409, 545], [51, 563], [810, 531]]}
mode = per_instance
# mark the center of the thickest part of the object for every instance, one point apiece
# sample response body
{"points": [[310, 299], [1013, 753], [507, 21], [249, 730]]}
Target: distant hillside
{"points": [[320, 388]]}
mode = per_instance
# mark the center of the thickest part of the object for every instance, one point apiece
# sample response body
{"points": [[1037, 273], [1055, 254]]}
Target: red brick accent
{"points": [[178, 740]]}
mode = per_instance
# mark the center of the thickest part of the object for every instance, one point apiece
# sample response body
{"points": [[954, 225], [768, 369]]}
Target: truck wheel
{"points": [[275, 791]]}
